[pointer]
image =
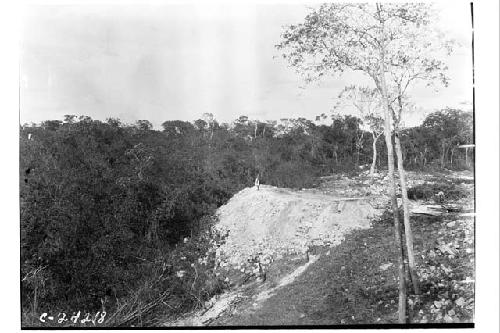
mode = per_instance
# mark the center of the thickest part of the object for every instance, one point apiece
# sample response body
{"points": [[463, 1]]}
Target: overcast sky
{"points": [[179, 61]]}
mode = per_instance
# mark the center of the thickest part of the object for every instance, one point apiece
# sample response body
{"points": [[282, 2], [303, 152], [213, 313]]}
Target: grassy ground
{"points": [[349, 284]]}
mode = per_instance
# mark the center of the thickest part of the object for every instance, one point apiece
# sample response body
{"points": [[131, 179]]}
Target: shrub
{"points": [[178, 282]]}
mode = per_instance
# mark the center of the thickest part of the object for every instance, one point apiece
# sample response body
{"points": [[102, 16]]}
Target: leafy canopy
{"points": [[337, 37]]}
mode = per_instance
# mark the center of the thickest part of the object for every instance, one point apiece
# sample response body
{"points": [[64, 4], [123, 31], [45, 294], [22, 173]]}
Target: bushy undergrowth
{"points": [[285, 175], [428, 191], [178, 282], [175, 282]]}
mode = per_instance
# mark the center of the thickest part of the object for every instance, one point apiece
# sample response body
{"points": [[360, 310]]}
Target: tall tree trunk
{"points": [[392, 185], [359, 146], [374, 158], [357, 159], [334, 154], [406, 218], [397, 225], [443, 154]]}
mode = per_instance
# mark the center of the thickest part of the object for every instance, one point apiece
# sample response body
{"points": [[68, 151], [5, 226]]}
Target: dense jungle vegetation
{"points": [[110, 212]]}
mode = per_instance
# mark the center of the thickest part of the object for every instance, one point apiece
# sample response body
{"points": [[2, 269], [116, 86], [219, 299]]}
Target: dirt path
{"points": [[283, 304], [250, 297]]}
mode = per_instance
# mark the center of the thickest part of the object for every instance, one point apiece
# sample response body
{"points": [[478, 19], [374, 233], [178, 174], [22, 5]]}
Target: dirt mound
{"points": [[272, 222]]}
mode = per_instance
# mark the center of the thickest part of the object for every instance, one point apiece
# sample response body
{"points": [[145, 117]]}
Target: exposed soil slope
{"points": [[268, 223]]}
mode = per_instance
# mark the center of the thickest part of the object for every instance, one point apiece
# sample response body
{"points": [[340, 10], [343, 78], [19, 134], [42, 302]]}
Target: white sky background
{"points": [[178, 61]]}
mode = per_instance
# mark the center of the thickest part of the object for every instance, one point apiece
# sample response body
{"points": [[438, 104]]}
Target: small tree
{"points": [[143, 125], [368, 104], [376, 125], [449, 127], [69, 118], [177, 127], [210, 120], [242, 127]]}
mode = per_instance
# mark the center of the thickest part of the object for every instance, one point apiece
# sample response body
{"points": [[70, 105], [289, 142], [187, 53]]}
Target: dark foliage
{"points": [[437, 142]]}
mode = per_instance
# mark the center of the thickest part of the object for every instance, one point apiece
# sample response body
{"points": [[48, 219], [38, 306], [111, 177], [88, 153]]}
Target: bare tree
{"points": [[368, 105]]}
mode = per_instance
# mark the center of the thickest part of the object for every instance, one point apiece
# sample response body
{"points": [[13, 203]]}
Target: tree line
{"points": [[100, 200]]}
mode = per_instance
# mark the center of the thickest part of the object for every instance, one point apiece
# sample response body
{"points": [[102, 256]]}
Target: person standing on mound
{"points": [[257, 184]]}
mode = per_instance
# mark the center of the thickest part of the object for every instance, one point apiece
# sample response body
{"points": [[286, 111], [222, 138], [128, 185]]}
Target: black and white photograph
{"points": [[248, 165]]}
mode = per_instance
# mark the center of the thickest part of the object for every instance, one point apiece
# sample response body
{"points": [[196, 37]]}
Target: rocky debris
{"points": [[448, 270], [261, 226], [463, 175], [262, 296], [425, 209], [214, 308], [385, 266], [223, 303]]}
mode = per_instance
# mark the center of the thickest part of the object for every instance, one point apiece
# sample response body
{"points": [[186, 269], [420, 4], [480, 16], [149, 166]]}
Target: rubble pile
{"points": [[261, 226], [267, 224]]}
